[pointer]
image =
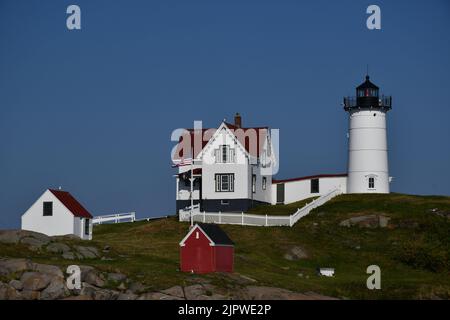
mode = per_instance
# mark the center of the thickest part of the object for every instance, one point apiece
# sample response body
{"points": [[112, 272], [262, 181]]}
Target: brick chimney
{"points": [[238, 120]]}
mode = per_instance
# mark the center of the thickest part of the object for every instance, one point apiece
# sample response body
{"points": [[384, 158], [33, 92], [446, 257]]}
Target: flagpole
{"points": [[192, 187]]}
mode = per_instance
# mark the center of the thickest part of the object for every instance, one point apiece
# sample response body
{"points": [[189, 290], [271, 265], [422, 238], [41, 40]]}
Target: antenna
{"points": [[367, 69]]}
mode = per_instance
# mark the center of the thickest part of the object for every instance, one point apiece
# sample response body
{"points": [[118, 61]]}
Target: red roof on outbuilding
{"points": [[71, 203]]}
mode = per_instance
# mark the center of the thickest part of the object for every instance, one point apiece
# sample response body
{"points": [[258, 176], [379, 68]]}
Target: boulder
{"points": [[30, 295], [55, 290], [194, 292], [7, 292], [48, 269], [366, 221], [8, 266], [157, 296], [68, 255], [136, 287], [296, 253], [33, 243], [92, 276], [127, 296], [176, 291], [87, 252], [16, 284], [104, 294], [9, 236], [116, 277], [58, 247], [271, 293], [35, 281]]}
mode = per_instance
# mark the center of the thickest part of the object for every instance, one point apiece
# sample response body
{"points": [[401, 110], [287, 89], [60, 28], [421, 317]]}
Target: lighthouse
{"points": [[367, 140]]}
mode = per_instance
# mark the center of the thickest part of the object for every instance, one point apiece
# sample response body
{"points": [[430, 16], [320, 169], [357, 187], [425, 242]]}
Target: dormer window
{"points": [[224, 154]]}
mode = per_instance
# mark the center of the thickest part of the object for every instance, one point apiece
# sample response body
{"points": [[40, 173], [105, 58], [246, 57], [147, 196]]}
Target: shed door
{"points": [[280, 193]]}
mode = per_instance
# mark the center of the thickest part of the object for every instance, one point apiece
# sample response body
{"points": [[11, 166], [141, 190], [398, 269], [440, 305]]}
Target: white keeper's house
{"points": [[58, 213], [233, 165]]}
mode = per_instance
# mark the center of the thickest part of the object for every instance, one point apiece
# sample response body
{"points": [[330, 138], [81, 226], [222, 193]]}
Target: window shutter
{"points": [[232, 156]]}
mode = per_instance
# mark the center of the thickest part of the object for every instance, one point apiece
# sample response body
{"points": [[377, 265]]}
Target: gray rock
{"points": [[8, 266], [136, 287], [16, 284], [116, 277], [366, 221], [48, 269], [103, 294], [194, 292], [56, 290], [10, 236], [33, 243], [92, 276], [296, 253], [157, 296], [122, 287], [68, 255], [7, 292], [87, 252], [176, 291], [127, 296], [270, 293], [35, 281], [30, 295], [58, 247]]}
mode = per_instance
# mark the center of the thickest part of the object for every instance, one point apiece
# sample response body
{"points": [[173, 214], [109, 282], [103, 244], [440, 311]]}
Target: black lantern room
{"points": [[367, 97]]}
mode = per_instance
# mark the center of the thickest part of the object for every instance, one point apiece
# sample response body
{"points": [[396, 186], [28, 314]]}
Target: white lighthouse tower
{"points": [[367, 146]]}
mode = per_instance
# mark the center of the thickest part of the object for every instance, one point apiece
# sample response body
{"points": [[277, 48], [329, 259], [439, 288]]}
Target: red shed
{"points": [[206, 248]]}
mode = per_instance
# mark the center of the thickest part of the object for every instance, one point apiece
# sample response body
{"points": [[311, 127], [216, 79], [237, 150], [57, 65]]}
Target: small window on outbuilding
{"points": [[86, 226], [314, 185], [47, 208]]}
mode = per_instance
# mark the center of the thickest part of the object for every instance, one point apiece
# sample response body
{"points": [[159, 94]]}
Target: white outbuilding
{"points": [[58, 213]]}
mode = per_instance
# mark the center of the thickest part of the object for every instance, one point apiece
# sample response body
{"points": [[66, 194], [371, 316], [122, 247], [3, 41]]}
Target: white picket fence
{"points": [[116, 218], [255, 219]]}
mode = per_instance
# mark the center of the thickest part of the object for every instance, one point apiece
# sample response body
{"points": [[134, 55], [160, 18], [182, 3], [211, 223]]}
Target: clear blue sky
{"points": [[92, 110]]}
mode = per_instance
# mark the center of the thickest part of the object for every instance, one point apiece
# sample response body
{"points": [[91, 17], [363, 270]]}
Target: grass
{"points": [[413, 252]]}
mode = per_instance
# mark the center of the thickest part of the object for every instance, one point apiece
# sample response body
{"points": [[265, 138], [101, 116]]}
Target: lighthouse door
{"points": [[280, 193]]}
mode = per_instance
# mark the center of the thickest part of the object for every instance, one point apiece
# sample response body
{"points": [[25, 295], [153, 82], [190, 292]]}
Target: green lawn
{"points": [[413, 252]]}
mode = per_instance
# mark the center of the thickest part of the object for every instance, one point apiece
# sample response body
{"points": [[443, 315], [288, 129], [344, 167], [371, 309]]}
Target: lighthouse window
{"points": [[371, 183], [314, 185]]}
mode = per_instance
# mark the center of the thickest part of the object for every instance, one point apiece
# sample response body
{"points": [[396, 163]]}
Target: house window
{"points": [[224, 154], [48, 208], [197, 235], [224, 182], [86, 226], [264, 183], [314, 185], [371, 183], [253, 183]]}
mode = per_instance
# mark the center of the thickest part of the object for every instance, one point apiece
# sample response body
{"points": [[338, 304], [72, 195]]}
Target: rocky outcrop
{"points": [[367, 221], [35, 281], [37, 241], [296, 253]]}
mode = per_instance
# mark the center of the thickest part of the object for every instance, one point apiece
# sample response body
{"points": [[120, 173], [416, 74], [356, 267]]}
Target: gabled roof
{"points": [[71, 203], [240, 134], [213, 232], [274, 181]]}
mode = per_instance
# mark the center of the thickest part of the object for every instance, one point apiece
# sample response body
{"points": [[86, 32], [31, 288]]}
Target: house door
{"points": [[280, 193]]}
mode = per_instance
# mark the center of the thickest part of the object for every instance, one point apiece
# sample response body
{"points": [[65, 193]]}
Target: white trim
{"points": [[211, 243]]}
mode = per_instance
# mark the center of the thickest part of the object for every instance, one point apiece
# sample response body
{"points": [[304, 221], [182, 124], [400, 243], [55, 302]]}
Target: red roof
{"points": [[204, 135], [71, 203], [310, 177]]}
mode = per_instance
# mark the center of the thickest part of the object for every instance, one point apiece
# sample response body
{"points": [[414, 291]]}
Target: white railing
{"points": [[116, 218], [255, 219], [314, 204]]}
